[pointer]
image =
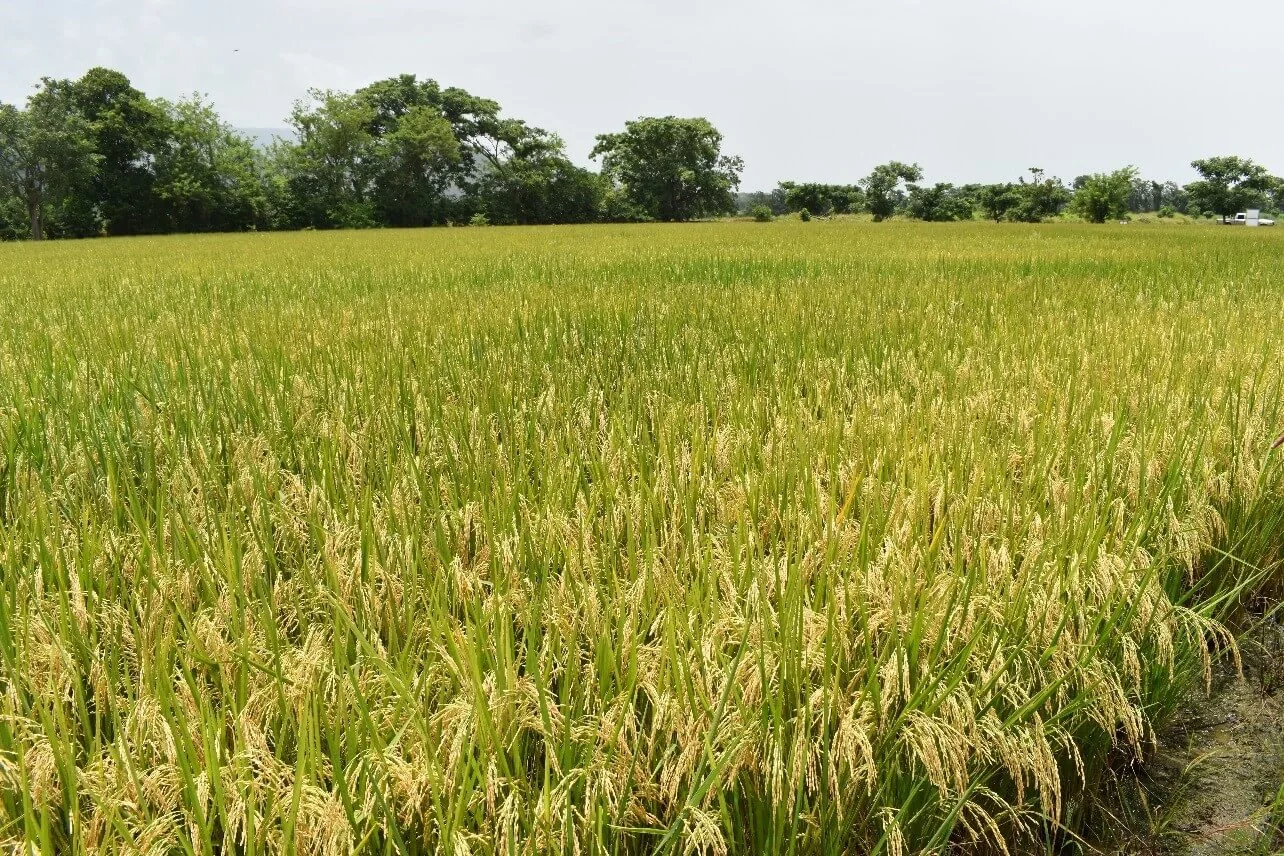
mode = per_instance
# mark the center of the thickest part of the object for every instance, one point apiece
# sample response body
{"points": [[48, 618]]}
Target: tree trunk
{"points": [[37, 227]]}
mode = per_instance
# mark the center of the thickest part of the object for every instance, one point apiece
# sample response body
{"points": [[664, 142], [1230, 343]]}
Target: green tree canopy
{"points": [[884, 187], [333, 167], [997, 201], [941, 202], [1104, 196], [1228, 184], [1038, 198], [407, 152], [127, 131], [46, 153], [207, 175], [823, 198], [671, 169]]}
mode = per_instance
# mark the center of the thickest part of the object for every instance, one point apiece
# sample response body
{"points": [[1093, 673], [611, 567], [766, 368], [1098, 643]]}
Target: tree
{"points": [[45, 153], [331, 172], [823, 198], [429, 148], [1039, 198], [417, 161], [938, 203], [406, 152], [1228, 185], [127, 131], [775, 200], [671, 169], [997, 201], [1277, 194], [1176, 196], [883, 187], [208, 177], [1104, 196], [541, 187]]}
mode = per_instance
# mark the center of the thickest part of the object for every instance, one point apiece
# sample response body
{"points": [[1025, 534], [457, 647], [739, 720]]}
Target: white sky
{"points": [[974, 90]]}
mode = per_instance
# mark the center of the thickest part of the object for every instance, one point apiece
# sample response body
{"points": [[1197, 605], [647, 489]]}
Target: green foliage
{"points": [[998, 201], [883, 187], [1228, 185], [127, 132], [96, 156], [13, 219], [938, 203], [46, 154], [762, 214], [1104, 196], [1024, 201], [774, 200], [333, 168], [208, 176], [1277, 195], [671, 169], [1167, 212], [804, 215], [823, 198], [406, 152], [479, 219], [1039, 198], [542, 186]]}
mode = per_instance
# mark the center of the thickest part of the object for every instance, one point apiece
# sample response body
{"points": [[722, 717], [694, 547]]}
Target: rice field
{"points": [[826, 538]]}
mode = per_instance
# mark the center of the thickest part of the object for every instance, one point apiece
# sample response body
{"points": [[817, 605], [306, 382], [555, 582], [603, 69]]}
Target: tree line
{"points": [[1227, 185], [96, 156]]}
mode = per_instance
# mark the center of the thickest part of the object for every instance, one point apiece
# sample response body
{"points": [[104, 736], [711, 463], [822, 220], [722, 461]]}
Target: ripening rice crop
{"points": [[726, 538]]}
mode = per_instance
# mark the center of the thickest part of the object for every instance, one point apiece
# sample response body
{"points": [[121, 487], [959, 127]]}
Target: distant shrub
{"points": [[479, 219], [1167, 212], [762, 214], [804, 215]]}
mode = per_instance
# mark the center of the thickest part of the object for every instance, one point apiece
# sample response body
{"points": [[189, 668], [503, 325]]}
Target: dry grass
{"points": [[801, 538]]}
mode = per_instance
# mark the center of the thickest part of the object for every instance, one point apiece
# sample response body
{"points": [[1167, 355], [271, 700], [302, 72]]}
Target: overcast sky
{"points": [[974, 90]]}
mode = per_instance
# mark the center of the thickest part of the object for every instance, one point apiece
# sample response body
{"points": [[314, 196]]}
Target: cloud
{"points": [[534, 31]]}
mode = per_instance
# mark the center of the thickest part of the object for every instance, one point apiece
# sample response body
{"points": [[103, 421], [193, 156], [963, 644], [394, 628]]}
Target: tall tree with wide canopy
{"points": [[1228, 184], [407, 152], [128, 130], [421, 165], [46, 153], [207, 175], [671, 169], [885, 187], [331, 171]]}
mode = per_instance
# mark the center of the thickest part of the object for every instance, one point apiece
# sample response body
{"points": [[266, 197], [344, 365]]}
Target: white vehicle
{"points": [[1242, 219]]}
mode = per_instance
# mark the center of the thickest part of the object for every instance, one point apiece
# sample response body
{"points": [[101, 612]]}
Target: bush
{"points": [[1167, 212], [1103, 196], [762, 214], [804, 215], [479, 219], [939, 203]]}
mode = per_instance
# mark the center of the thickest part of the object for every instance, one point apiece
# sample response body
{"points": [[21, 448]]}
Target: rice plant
{"points": [[723, 539]]}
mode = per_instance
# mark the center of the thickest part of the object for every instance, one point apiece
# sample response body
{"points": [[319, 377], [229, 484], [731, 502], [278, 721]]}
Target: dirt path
{"points": [[1220, 766]]}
